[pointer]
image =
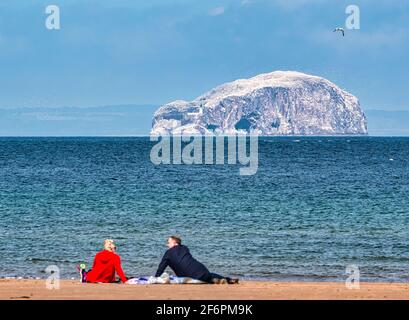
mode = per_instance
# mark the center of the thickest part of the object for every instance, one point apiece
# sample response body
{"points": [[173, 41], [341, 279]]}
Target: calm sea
{"points": [[315, 206]]}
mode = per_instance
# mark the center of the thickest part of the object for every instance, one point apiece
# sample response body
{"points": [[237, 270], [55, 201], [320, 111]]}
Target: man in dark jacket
{"points": [[179, 259]]}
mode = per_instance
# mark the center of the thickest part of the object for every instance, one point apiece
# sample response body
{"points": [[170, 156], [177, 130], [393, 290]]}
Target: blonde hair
{"points": [[109, 244]]}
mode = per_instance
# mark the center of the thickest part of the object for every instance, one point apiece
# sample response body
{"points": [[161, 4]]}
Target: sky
{"points": [[152, 52]]}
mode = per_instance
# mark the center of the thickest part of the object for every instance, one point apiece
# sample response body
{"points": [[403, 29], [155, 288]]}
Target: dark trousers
{"points": [[210, 276]]}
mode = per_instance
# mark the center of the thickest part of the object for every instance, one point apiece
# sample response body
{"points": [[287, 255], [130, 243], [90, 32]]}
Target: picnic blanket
{"points": [[163, 279]]}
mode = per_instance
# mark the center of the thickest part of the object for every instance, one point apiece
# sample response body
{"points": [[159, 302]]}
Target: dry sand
{"points": [[36, 289]]}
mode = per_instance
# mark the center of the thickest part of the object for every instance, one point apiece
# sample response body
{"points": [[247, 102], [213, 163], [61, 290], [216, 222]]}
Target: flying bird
{"points": [[340, 30]]}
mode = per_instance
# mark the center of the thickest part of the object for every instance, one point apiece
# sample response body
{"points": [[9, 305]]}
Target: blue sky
{"points": [[152, 52]]}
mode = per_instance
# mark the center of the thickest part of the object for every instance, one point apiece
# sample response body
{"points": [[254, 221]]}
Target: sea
{"points": [[317, 208]]}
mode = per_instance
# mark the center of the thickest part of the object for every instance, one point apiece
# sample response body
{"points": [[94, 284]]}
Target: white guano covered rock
{"points": [[276, 103]]}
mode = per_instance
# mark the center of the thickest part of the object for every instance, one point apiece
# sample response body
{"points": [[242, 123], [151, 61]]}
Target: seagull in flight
{"points": [[340, 30]]}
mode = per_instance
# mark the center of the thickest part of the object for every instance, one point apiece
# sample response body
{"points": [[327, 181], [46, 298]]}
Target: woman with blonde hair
{"points": [[107, 264]]}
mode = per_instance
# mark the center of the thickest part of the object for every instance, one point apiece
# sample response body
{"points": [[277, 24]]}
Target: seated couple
{"points": [[107, 263]]}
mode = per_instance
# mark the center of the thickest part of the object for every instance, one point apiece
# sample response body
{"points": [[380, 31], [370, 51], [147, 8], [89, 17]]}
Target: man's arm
{"points": [[163, 264]]}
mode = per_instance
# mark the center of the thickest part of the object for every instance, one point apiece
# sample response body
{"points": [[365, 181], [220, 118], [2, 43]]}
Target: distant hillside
{"points": [[137, 120], [388, 123], [97, 121]]}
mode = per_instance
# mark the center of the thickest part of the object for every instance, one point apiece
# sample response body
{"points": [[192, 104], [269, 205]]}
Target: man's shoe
{"points": [[232, 281]]}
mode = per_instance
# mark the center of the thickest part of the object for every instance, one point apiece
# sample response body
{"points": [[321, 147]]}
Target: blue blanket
{"points": [[163, 279]]}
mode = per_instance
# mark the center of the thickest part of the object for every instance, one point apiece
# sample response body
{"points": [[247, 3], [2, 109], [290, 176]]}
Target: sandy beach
{"points": [[247, 290]]}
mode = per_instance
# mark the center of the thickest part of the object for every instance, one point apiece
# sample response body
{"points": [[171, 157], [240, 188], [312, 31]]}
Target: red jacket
{"points": [[106, 263]]}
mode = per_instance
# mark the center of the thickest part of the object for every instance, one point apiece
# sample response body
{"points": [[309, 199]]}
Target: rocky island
{"points": [[270, 104]]}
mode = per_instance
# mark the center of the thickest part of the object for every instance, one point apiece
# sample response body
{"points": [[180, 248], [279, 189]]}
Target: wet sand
{"points": [[247, 290]]}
